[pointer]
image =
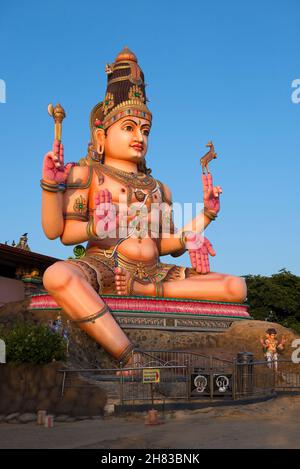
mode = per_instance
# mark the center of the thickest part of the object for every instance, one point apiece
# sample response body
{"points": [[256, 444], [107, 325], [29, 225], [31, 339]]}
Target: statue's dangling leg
{"points": [[69, 287]]}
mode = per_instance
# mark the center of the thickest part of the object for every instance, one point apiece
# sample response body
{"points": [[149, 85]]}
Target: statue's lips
{"points": [[137, 147]]}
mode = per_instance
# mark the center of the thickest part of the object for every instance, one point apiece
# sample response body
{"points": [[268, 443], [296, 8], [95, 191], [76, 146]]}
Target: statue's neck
{"points": [[128, 166]]}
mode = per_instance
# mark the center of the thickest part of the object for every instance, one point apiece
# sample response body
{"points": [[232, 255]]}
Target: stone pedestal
{"points": [[168, 314]]}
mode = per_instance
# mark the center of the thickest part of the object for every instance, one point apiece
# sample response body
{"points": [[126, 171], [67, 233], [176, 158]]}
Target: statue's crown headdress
{"points": [[125, 93]]}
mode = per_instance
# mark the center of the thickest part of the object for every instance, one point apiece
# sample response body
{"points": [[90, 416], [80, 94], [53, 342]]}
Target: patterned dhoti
{"points": [[98, 267]]}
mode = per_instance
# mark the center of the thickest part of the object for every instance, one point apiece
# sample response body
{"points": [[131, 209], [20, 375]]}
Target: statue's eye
{"points": [[146, 132], [128, 128]]}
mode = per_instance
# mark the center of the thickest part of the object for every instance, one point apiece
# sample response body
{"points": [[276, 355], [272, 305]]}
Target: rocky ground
{"points": [[243, 335], [271, 424]]}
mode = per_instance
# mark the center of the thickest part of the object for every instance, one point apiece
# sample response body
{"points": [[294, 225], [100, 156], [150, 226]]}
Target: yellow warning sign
{"points": [[151, 376]]}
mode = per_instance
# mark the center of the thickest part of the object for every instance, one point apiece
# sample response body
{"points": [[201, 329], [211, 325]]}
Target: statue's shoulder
{"points": [[80, 177], [166, 193]]}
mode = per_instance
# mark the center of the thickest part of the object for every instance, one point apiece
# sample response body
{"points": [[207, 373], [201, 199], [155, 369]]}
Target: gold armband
{"points": [[75, 216]]}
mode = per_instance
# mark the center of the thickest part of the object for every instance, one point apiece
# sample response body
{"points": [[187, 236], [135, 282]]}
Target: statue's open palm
{"points": [[105, 217], [199, 249]]}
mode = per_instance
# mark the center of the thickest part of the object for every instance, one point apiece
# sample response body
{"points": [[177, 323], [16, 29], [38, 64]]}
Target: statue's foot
{"points": [[124, 281], [126, 285]]}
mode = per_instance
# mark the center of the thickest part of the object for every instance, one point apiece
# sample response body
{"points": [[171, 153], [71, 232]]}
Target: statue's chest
{"points": [[140, 191]]}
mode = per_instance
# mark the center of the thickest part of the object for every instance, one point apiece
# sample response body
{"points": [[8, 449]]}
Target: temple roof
{"points": [[12, 258]]}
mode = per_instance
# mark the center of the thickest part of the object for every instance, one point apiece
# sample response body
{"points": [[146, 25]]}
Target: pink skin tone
{"points": [[105, 217], [54, 169], [121, 280], [210, 193], [198, 246]]}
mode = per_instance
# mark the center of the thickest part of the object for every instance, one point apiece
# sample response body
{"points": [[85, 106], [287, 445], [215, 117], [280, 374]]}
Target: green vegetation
{"points": [[275, 298], [29, 343]]}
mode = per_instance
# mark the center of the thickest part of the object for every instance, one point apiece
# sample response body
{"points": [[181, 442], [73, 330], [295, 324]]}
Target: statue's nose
{"points": [[138, 135]]}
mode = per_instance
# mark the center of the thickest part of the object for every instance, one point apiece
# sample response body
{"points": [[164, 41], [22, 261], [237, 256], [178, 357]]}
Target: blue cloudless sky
{"points": [[216, 70]]}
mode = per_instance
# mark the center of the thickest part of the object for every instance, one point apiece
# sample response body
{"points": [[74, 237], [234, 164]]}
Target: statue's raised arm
{"points": [[54, 175]]}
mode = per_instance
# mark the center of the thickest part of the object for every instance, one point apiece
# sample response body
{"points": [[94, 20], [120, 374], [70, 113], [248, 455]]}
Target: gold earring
{"points": [[101, 149]]}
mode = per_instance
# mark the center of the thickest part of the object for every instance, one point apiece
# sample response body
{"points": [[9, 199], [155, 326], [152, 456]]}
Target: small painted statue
{"points": [[23, 242], [271, 347], [110, 199], [58, 327]]}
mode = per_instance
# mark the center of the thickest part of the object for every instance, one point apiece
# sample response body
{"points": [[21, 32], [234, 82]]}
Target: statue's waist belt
{"points": [[142, 271]]}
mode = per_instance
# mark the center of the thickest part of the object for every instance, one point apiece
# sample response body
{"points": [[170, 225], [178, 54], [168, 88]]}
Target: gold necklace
{"points": [[133, 181], [138, 180]]}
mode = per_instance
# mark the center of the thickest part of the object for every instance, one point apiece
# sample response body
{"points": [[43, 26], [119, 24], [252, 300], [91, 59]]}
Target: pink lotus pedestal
{"points": [[139, 312]]}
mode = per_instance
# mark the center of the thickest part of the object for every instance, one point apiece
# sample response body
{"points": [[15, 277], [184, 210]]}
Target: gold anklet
{"points": [[93, 317], [125, 355]]}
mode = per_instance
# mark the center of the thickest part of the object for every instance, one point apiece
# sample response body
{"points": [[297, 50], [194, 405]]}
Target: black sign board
{"points": [[201, 383]]}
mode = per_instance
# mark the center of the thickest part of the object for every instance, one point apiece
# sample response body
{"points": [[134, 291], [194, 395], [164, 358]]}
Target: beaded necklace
{"points": [[139, 183]]}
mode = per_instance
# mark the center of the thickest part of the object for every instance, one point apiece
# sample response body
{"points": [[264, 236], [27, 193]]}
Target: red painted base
{"points": [[141, 304]]}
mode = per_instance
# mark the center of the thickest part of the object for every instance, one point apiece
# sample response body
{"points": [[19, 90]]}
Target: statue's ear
{"points": [[99, 139]]}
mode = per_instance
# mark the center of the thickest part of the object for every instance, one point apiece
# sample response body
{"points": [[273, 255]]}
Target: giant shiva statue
{"points": [[111, 200]]}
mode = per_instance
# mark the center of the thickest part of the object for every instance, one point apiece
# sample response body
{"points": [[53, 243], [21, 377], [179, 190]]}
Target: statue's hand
{"points": [[211, 194], [105, 216], [199, 248], [54, 169], [283, 340]]}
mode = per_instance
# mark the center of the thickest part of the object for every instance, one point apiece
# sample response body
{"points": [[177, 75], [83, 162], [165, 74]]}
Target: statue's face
{"points": [[127, 139]]}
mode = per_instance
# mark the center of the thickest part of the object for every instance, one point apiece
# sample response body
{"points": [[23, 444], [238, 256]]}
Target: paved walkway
{"points": [[272, 424]]}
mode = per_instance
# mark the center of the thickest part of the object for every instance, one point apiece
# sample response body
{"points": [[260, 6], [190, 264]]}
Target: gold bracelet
{"points": [[56, 187], [89, 229], [182, 238], [210, 213]]}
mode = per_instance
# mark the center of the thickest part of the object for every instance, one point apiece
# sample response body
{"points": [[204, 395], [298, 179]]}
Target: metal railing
{"points": [[173, 385], [287, 375], [252, 380], [188, 376]]}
